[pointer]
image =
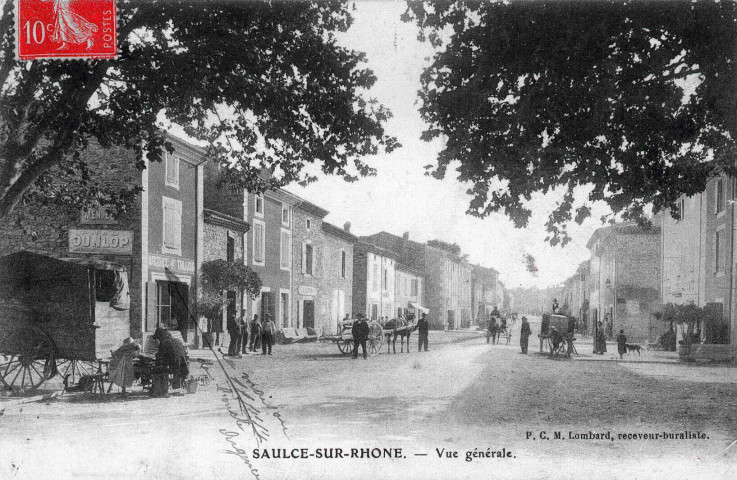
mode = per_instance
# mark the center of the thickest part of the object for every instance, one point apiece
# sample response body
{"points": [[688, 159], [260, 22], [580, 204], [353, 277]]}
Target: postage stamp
{"points": [[66, 29]]}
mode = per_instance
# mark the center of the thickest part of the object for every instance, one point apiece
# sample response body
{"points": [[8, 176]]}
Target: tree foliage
{"points": [[637, 99], [218, 276], [265, 83], [453, 248]]}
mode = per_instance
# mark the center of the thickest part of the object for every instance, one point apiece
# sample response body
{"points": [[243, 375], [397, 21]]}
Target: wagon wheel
{"points": [[345, 345], [76, 369], [28, 359], [375, 339]]}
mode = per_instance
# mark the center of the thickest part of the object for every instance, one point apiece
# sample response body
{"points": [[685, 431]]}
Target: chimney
{"points": [[347, 227], [405, 236]]}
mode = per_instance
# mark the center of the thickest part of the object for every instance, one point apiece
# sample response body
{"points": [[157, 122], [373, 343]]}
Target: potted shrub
{"points": [[688, 317]]}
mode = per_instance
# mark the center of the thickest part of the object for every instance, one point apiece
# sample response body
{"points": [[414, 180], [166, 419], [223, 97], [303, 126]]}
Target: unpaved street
{"points": [[462, 396]]}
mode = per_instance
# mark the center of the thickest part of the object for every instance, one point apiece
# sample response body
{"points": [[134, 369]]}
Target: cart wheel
{"points": [[28, 359], [76, 369], [345, 346]]}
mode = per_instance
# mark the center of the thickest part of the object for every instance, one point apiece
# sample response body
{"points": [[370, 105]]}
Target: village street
{"points": [[463, 395]]}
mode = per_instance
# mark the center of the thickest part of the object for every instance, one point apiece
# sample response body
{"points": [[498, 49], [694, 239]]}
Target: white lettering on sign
{"points": [[174, 264], [97, 216], [115, 242]]}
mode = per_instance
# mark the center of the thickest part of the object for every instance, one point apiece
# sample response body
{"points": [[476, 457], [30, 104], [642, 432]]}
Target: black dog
{"points": [[632, 348]]}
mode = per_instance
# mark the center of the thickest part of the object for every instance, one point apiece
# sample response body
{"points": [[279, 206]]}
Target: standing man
{"points": [[234, 330], [493, 329], [255, 333], [360, 333], [422, 328], [244, 332], [524, 334], [267, 335]]}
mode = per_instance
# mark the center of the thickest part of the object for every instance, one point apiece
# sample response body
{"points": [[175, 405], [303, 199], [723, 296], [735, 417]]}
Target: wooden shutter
{"points": [[151, 314]]}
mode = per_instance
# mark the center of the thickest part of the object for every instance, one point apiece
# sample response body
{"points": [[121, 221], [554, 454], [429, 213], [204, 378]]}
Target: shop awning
{"points": [[419, 307]]}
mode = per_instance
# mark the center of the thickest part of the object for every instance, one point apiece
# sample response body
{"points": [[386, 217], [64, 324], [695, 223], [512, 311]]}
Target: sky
{"points": [[400, 198]]}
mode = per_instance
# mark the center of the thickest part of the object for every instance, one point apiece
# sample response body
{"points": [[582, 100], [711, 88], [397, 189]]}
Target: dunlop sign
{"points": [[109, 242]]}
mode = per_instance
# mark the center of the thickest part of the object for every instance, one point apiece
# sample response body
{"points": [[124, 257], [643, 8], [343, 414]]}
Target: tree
{"points": [[636, 99], [218, 276], [452, 248], [265, 83]]}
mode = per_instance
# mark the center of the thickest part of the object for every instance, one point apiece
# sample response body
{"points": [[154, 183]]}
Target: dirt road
{"points": [[413, 411]]}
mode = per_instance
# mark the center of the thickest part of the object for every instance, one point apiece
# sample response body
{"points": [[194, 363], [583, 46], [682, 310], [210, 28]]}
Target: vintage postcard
{"points": [[434, 239]]}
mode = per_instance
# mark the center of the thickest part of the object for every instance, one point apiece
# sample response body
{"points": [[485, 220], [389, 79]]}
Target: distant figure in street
{"points": [[621, 344], [494, 313], [524, 334], [492, 330], [172, 354], [255, 334], [600, 340], [268, 331], [422, 329], [360, 332], [234, 330], [244, 331], [555, 305]]}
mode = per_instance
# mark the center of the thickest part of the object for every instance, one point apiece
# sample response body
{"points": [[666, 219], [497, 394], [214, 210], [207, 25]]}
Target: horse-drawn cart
{"points": [[557, 334], [58, 316], [344, 339]]}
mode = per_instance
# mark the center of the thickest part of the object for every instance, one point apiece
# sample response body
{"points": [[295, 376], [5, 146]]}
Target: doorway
{"points": [[268, 306], [172, 306], [308, 314]]}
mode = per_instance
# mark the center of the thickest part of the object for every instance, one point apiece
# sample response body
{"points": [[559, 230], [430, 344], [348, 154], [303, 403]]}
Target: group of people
{"points": [[261, 333]]}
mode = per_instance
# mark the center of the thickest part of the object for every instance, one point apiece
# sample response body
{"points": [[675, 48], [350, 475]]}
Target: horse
{"points": [[398, 327]]}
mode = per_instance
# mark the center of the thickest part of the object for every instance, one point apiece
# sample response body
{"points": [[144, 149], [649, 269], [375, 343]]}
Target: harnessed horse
{"points": [[398, 327]]}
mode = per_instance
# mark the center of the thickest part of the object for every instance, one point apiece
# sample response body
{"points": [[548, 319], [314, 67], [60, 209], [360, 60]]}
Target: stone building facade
{"points": [[625, 293], [483, 292], [409, 287], [323, 270], [374, 275]]}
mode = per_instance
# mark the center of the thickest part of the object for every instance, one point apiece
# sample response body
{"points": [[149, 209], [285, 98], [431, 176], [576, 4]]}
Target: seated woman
{"points": [[121, 365]]}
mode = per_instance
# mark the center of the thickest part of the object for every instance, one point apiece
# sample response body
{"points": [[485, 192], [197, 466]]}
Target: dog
{"points": [[633, 348]]}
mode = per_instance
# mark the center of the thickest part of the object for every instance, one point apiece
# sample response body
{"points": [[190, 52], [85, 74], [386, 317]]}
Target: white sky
{"points": [[402, 199]]}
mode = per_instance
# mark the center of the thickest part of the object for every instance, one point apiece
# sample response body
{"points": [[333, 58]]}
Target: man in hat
{"points": [[423, 330], [360, 332], [234, 330], [268, 332]]}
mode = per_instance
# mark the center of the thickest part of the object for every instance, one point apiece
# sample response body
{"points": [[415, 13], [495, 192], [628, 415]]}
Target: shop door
{"points": [[308, 315], [180, 307], [268, 306]]}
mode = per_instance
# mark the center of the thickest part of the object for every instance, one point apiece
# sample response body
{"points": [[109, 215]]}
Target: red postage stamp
{"points": [[66, 29]]}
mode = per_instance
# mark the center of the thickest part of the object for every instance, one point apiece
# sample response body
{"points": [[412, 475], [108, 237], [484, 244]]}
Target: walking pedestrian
{"points": [[244, 332], [360, 333], [524, 334], [255, 334], [423, 330], [600, 340], [234, 330], [621, 344], [267, 335]]}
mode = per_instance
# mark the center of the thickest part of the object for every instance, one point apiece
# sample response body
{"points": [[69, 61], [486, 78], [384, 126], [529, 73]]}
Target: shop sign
{"points": [[97, 216], [307, 291], [107, 242], [174, 264]]}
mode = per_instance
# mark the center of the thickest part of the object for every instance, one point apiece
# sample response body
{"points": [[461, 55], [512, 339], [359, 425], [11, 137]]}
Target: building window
{"points": [[285, 216], [374, 277], [172, 224], [308, 259], [415, 287], [308, 224], [342, 264], [719, 251], [172, 171], [259, 242], [286, 250], [719, 203], [384, 280], [230, 249], [258, 205]]}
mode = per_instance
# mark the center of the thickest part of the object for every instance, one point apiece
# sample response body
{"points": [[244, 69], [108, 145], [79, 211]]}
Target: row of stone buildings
{"points": [[313, 273], [632, 274]]}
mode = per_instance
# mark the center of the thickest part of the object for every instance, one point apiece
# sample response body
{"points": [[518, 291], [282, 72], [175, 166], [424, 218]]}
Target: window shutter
{"points": [[177, 225], [304, 258]]}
